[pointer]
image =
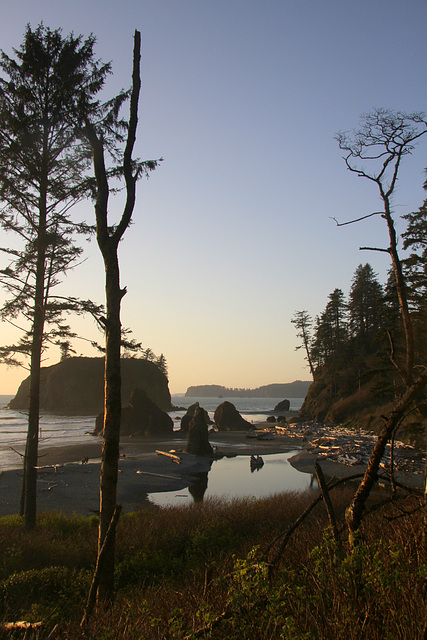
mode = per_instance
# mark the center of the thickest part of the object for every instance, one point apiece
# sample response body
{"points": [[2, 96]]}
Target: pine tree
{"points": [[47, 89], [365, 306]]}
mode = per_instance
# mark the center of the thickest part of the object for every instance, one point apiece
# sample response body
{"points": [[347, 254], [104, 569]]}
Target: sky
{"points": [[233, 232]]}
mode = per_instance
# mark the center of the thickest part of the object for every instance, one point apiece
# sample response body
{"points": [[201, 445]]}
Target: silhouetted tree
{"points": [[365, 306], [375, 152], [45, 92], [108, 238], [303, 322]]}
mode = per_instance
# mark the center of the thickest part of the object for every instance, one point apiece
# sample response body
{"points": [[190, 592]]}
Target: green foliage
{"points": [[29, 593], [182, 569]]}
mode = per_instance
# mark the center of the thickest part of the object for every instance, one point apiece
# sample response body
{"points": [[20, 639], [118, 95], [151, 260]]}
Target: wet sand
{"points": [[67, 485]]}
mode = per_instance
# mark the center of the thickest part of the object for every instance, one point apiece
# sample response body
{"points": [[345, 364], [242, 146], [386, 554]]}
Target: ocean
{"points": [[62, 430]]}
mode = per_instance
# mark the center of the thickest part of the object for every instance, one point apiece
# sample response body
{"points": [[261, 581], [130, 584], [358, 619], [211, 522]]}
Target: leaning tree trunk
{"points": [[356, 509]]}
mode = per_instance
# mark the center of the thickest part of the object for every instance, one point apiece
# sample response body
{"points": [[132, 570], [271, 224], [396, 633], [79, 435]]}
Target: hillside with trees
{"points": [[296, 389], [357, 347]]}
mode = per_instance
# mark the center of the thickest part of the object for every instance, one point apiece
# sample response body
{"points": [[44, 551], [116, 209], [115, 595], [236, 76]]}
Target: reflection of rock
{"points": [[283, 405], [197, 438], [142, 417], [186, 419], [256, 462], [198, 488], [227, 418]]}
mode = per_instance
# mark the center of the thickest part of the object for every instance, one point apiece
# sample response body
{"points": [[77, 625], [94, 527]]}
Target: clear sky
{"points": [[233, 233]]}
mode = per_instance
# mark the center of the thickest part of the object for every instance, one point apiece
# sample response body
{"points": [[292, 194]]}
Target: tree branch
{"points": [[342, 224]]}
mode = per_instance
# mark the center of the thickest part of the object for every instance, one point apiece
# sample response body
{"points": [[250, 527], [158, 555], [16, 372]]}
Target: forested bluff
{"points": [[350, 349], [296, 389]]}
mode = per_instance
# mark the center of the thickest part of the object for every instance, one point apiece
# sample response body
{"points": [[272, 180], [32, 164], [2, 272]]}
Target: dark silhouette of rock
{"points": [[227, 418], [186, 419], [75, 386], [198, 488], [271, 419], [197, 438], [142, 417], [284, 405]]}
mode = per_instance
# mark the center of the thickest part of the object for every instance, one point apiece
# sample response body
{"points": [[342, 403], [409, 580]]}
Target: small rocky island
{"points": [[75, 386]]}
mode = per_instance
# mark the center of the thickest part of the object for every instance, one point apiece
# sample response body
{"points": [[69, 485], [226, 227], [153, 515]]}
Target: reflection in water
{"points": [[256, 463], [231, 478], [199, 486]]}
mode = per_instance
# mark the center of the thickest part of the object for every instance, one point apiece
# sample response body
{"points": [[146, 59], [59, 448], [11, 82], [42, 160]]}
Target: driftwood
{"points": [[175, 458], [158, 475]]}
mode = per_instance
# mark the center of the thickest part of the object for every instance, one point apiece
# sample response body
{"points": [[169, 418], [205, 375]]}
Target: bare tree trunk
{"points": [[356, 509], [108, 241], [112, 415], [406, 370]]}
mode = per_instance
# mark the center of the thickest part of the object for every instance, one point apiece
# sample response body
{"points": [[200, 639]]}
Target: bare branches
{"points": [[342, 224]]}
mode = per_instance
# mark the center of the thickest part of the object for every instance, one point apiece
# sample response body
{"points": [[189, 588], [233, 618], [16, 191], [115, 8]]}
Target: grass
{"points": [[202, 567]]}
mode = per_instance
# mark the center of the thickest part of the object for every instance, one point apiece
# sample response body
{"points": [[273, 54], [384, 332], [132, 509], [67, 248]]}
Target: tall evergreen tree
{"points": [[47, 90], [365, 306]]}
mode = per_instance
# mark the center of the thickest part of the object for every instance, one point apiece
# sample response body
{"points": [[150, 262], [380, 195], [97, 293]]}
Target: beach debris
{"points": [[173, 457], [345, 445], [158, 475], [353, 447]]}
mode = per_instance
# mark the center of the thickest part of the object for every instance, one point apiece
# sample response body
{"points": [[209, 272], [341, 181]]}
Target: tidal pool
{"points": [[233, 478]]}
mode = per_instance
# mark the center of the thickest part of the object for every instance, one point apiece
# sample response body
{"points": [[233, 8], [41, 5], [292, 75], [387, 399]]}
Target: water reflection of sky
{"points": [[232, 478]]}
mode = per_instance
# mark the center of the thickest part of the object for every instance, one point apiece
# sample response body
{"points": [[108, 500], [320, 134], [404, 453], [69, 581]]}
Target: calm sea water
{"points": [[227, 478]]}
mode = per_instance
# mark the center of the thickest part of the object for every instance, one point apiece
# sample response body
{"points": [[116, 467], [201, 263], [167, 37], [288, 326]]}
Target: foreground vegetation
{"points": [[203, 571]]}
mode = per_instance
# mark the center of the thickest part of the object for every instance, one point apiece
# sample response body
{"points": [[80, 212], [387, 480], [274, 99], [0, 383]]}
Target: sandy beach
{"points": [[67, 485]]}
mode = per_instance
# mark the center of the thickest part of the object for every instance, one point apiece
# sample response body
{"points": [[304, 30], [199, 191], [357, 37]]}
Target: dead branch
{"points": [[374, 249], [342, 224], [328, 503]]}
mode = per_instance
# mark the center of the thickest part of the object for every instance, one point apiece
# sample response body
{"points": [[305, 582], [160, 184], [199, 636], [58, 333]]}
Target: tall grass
{"points": [[202, 567]]}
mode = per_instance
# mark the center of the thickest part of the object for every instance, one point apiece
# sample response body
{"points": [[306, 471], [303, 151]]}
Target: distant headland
{"points": [[296, 389]]}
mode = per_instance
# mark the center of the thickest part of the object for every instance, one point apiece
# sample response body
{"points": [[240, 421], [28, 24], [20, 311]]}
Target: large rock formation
{"points": [[189, 415], [198, 439], [227, 418], [75, 386], [142, 417], [283, 405]]}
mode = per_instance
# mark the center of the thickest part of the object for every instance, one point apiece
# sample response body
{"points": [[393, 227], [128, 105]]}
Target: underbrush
{"points": [[202, 572]]}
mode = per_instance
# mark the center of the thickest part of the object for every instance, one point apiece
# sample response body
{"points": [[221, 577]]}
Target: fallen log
{"points": [[158, 475], [175, 458]]}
